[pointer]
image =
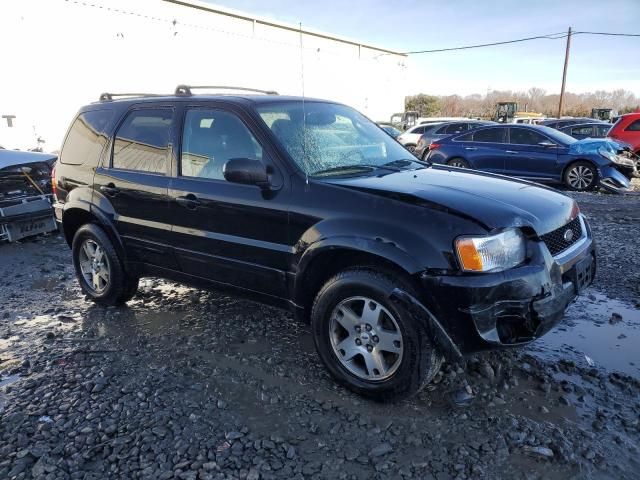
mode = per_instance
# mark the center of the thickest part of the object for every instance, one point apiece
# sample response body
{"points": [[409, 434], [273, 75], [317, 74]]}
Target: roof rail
{"points": [[185, 90], [106, 96]]}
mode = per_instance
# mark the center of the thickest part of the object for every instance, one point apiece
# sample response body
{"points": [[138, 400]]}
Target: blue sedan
{"points": [[540, 154]]}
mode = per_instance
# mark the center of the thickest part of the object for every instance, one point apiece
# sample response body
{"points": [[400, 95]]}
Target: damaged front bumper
{"points": [[615, 179], [510, 308], [26, 216]]}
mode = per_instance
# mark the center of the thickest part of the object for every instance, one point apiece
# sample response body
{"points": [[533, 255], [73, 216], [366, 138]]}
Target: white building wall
{"points": [[60, 54]]}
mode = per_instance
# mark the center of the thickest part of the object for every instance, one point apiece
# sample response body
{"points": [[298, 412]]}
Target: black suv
{"points": [[308, 205]]}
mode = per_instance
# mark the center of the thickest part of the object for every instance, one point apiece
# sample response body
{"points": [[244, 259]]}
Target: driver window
{"points": [[210, 138], [521, 136]]}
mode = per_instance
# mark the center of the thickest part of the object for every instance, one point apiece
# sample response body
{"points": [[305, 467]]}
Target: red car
{"points": [[627, 129]]}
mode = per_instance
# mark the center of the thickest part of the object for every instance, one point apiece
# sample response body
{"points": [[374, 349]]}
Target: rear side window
{"points": [[142, 141], [489, 135], [602, 130], [86, 138], [633, 127], [453, 128], [419, 130]]}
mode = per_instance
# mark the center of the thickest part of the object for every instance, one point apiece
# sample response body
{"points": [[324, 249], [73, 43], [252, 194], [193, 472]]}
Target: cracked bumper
{"points": [[514, 307]]}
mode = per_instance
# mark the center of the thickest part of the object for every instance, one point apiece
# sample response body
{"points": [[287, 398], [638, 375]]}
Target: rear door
{"points": [[132, 184], [226, 232], [527, 158], [484, 149]]}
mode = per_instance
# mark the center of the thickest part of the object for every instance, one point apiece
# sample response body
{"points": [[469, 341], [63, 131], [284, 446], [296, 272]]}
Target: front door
{"points": [[226, 232], [132, 184], [527, 158]]}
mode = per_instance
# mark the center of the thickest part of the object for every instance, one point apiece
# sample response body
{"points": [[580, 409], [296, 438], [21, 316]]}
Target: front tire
{"points": [[581, 176], [99, 269], [369, 344]]}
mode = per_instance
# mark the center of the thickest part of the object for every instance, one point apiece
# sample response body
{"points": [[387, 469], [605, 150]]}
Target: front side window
{"points": [[523, 136], [633, 127], [212, 137], [489, 135], [325, 138], [142, 141], [602, 130]]}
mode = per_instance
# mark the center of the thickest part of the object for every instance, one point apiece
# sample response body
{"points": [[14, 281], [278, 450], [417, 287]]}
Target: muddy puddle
{"points": [[597, 331]]}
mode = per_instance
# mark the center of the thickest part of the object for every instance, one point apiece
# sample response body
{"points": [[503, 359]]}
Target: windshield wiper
{"points": [[355, 167], [405, 162]]}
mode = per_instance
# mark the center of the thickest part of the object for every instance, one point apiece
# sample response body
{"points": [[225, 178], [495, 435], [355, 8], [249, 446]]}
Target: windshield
{"points": [[561, 138], [330, 139]]}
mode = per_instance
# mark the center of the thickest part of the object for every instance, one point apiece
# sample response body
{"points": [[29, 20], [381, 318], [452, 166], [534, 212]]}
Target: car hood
{"points": [[591, 146], [10, 158], [494, 201]]}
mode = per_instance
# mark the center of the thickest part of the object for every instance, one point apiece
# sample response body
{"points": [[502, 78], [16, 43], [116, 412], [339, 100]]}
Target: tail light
{"points": [[54, 183], [434, 146]]}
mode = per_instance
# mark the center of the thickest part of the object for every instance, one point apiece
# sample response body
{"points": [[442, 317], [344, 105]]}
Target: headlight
{"points": [[493, 253], [607, 154], [612, 157]]}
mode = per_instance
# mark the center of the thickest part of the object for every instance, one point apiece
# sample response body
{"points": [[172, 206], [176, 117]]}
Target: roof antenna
{"points": [[304, 113]]}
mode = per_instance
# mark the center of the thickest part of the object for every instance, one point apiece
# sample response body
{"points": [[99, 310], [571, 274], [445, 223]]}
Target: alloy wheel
{"points": [[580, 177], [94, 265], [366, 338]]}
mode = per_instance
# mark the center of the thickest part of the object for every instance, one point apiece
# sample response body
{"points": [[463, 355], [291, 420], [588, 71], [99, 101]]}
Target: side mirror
{"points": [[247, 172], [547, 144]]}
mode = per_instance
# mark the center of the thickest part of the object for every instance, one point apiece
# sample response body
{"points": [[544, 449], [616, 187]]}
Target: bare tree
{"points": [[533, 100]]}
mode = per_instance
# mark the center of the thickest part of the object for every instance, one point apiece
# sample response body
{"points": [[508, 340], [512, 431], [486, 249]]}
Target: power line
{"points": [[551, 36]]}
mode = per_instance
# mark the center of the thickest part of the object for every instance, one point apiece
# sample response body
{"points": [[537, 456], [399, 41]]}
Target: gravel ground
{"points": [[184, 383]]}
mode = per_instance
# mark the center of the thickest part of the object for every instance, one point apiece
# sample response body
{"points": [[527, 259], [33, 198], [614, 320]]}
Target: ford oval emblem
{"points": [[568, 235]]}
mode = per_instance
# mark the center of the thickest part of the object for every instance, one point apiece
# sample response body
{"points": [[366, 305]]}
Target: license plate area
{"points": [[27, 228], [582, 274]]}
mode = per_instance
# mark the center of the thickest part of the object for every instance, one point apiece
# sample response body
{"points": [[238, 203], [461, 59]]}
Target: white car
{"points": [[410, 137]]}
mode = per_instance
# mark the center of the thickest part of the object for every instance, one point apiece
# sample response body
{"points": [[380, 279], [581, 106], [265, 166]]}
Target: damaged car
{"points": [[541, 154], [25, 194], [308, 206]]}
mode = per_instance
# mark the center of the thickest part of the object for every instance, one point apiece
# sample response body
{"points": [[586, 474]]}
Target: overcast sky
{"points": [[597, 63]]}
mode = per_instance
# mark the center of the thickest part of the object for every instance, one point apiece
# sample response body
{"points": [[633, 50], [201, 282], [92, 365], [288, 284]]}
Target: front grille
{"points": [[555, 240]]}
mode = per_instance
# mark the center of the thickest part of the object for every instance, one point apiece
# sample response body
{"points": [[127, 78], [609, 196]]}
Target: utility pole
{"points": [[564, 72]]}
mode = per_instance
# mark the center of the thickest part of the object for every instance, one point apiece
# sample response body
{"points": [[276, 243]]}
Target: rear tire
{"points": [[581, 176], [99, 269], [384, 354], [458, 163]]}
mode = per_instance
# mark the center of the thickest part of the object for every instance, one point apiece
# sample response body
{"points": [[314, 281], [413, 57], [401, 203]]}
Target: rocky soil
{"points": [[185, 383]]}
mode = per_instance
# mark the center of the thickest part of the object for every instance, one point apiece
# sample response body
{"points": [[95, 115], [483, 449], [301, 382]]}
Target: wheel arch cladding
{"points": [[76, 216], [318, 264]]}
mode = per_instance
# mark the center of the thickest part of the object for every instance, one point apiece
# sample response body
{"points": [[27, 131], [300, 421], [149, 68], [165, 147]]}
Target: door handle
{"points": [[470, 148], [189, 201], [512, 152], [109, 189]]}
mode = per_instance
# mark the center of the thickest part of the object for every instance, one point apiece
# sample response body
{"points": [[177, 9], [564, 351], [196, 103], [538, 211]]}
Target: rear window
{"points": [[86, 138], [142, 141]]}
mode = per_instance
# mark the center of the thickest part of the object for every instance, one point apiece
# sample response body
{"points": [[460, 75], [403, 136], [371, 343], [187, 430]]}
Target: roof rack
{"points": [[106, 96], [185, 90]]}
